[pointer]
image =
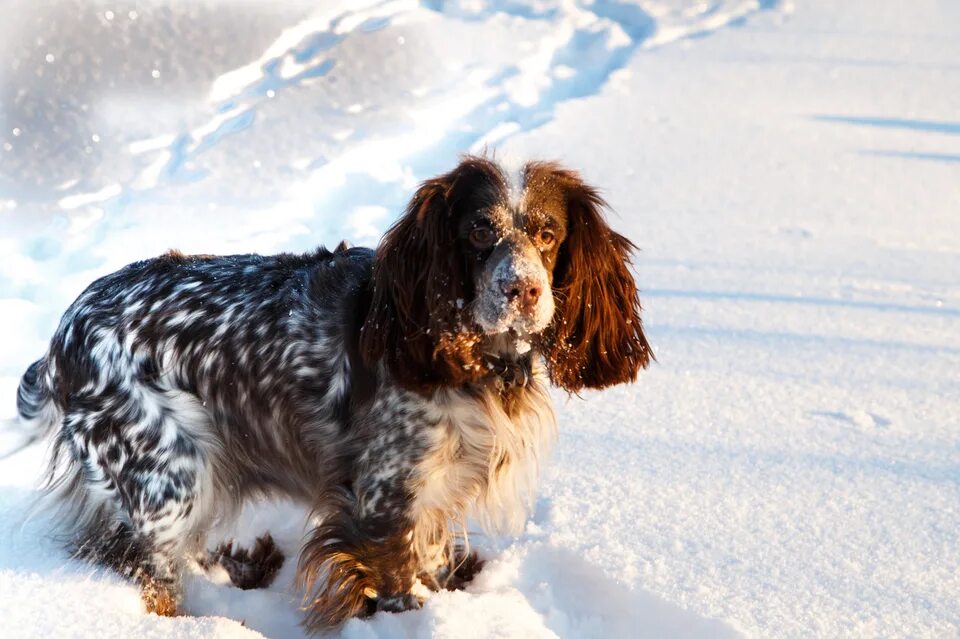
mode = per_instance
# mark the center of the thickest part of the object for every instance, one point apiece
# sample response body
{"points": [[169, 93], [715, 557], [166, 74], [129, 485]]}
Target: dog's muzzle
{"points": [[515, 290]]}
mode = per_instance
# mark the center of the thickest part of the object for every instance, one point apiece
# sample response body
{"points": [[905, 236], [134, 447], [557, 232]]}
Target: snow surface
{"points": [[791, 465]]}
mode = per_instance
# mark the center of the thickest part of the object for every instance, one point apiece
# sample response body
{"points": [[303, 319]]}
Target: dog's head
{"points": [[475, 269]]}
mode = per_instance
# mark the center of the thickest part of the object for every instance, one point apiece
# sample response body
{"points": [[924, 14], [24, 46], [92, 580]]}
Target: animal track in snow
{"points": [[862, 419]]}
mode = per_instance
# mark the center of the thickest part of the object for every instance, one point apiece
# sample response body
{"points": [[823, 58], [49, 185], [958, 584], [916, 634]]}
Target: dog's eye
{"points": [[482, 237], [547, 238]]}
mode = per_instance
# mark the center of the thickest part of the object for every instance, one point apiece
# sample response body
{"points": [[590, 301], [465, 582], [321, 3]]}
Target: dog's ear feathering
{"points": [[419, 285], [596, 338]]}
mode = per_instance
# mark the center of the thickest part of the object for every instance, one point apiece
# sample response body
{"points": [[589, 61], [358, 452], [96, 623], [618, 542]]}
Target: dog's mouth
{"points": [[510, 344], [506, 357], [496, 315]]}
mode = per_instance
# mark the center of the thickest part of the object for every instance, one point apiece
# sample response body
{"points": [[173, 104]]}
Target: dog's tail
{"points": [[63, 491], [38, 412]]}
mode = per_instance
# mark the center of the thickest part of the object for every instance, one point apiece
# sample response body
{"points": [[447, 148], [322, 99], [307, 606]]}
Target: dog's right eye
{"points": [[482, 237]]}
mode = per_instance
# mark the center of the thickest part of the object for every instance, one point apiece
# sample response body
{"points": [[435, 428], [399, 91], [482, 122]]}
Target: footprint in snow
{"points": [[861, 419]]}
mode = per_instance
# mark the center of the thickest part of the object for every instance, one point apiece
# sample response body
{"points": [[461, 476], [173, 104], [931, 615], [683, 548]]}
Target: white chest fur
{"points": [[483, 461]]}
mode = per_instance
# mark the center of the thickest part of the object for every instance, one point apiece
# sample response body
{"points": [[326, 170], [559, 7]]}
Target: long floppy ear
{"points": [[419, 285], [596, 338]]}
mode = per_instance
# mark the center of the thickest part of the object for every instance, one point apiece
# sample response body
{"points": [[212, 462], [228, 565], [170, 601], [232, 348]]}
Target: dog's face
{"points": [[477, 257], [510, 247]]}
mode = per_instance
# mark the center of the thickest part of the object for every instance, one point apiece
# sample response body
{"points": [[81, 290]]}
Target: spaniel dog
{"points": [[397, 392]]}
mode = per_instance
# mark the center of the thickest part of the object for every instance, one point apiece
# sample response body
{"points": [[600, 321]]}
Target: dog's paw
{"points": [[398, 603], [249, 569], [157, 597], [456, 577], [466, 569]]}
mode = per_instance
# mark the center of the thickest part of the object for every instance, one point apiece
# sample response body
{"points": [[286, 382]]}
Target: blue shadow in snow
{"points": [[768, 461], [771, 339], [913, 155], [929, 126], [806, 301]]}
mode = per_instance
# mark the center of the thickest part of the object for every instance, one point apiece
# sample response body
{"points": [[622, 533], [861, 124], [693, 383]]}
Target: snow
{"points": [[790, 465]]}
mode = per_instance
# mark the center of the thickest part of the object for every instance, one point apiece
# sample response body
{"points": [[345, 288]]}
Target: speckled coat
{"points": [[397, 392]]}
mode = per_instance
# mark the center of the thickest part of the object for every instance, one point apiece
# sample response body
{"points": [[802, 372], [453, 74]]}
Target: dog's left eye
{"points": [[482, 237], [547, 238]]}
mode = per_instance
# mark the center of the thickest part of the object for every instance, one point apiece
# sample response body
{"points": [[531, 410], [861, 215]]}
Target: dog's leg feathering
{"points": [[146, 471], [355, 565]]}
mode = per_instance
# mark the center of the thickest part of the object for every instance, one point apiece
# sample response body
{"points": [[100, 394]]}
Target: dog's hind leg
{"points": [[143, 460], [247, 569]]}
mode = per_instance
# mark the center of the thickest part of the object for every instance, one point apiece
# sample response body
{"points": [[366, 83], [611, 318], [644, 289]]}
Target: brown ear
{"points": [[419, 286], [596, 338]]}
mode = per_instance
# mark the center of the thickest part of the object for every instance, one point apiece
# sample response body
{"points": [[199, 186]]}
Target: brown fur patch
{"points": [[157, 597], [178, 256]]}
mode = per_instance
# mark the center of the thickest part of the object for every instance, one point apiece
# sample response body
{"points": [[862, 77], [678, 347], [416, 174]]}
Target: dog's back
{"points": [[171, 366]]}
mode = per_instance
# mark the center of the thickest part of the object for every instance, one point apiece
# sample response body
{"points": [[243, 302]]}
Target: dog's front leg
{"points": [[357, 562]]}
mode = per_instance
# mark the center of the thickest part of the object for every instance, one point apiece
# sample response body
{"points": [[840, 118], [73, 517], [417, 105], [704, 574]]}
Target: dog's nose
{"points": [[526, 291]]}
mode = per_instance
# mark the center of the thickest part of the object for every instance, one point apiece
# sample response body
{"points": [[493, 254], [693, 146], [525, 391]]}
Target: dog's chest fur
{"points": [[482, 454]]}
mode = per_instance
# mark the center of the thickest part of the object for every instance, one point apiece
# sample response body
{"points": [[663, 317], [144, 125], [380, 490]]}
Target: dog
{"points": [[397, 392]]}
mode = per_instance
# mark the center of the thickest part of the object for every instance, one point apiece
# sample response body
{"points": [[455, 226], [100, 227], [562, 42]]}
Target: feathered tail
{"points": [[38, 412]]}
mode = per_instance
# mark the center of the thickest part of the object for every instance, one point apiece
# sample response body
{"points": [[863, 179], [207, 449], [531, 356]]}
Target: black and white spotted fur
{"points": [[179, 387]]}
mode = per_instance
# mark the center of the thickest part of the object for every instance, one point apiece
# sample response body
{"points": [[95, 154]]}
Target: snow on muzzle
{"points": [[514, 291]]}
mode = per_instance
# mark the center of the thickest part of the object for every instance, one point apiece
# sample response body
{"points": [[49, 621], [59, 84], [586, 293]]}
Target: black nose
{"points": [[526, 291]]}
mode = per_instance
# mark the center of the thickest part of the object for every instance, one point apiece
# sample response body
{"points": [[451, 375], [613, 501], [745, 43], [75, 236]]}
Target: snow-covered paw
{"points": [[158, 597]]}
